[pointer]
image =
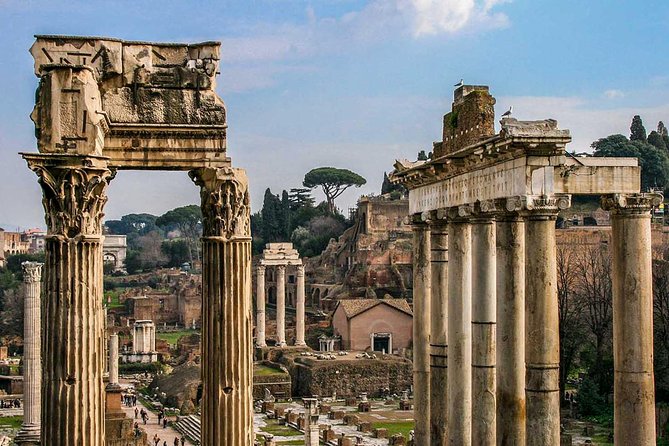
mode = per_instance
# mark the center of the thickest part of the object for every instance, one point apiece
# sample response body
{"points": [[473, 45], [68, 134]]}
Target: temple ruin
{"points": [[486, 343], [105, 105]]}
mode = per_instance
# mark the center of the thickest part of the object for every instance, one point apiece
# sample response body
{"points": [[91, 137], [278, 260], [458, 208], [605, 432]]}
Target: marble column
{"points": [[510, 243], [633, 384], [542, 346], [459, 328], [421, 330], [74, 190], [483, 332], [281, 305], [113, 359], [260, 304], [300, 309], [32, 366], [227, 334], [311, 426], [439, 334]]}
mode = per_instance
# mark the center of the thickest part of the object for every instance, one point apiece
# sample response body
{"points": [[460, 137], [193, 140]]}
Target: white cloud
{"points": [[438, 16], [614, 94]]}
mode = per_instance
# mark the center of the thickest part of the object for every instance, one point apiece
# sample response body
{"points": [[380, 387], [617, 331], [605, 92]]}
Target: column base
{"points": [[282, 344], [300, 344], [28, 436], [263, 345]]}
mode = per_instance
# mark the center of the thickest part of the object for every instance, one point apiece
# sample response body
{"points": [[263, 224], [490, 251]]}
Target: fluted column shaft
{"points": [[439, 335], [300, 308], [542, 347], [74, 190], [459, 333], [281, 305], [421, 331], [510, 242], [260, 305], [113, 359], [634, 392], [32, 366], [483, 332], [227, 341]]}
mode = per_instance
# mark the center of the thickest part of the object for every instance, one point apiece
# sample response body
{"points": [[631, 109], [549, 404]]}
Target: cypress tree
{"points": [[656, 139], [637, 130]]}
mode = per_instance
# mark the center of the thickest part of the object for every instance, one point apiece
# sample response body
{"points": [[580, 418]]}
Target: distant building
{"points": [[114, 250], [36, 239], [382, 325], [15, 243]]}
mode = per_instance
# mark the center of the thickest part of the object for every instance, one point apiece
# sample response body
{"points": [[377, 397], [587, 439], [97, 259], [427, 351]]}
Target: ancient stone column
{"points": [[634, 392], [281, 305], [300, 310], [459, 328], [510, 242], [74, 189], [32, 366], [113, 359], [439, 334], [421, 330], [227, 335], [311, 426], [260, 304], [483, 332], [542, 346]]}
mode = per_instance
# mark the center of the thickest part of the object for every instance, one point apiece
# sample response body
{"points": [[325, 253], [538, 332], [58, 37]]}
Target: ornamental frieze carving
{"points": [[73, 197], [226, 204]]}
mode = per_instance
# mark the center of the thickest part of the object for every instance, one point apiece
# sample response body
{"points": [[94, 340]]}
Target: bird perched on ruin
{"points": [[508, 112], [459, 84]]}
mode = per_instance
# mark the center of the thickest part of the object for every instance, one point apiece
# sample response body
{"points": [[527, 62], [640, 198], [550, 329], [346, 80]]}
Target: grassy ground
{"points": [[173, 337], [11, 422], [261, 370], [396, 427], [277, 429], [114, 300]]}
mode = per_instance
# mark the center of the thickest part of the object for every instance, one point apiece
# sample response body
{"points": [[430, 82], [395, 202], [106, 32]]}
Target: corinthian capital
{"points": [[640, 203], [74, 191], [226, 207], [32, 271]]}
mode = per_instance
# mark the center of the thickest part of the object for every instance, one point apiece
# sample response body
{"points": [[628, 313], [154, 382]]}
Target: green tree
{"points": [[132, 223], [271, 217], [333, 182], [637, 130], [664, 133], [389, 188], [654, 162], [176, 252], [301, 197], [655, 139], [422, 156], [188, 220]]}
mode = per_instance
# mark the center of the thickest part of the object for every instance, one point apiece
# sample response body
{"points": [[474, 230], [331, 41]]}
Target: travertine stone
{"points": [[281, 305], [542, 347], [227, 342], [32, 365], [311, 426], [113, 359], [260, 305], [74, 189], [439, 334], [459, 333], [510, 242], [634, 393], [300, 308], [483, 332], [421, 331]]}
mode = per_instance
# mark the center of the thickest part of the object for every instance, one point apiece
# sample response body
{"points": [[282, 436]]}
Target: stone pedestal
{"points": [[421, 330], [74, 189], [510, 242], [459, 333], [260, 304], [300, 308], [634, 392], [32, 365], [542, 347], [311, 427], [281, 305], [227, 343], [483, 332], [439, 335]]}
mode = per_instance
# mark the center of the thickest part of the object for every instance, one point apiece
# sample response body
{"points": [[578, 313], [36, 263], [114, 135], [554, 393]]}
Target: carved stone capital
{"points": [[260, 270], [281, 269], [547, 204], [300, 271], [74, 192], [226, 206], [32, 272], [630, 204], [462, 212]]}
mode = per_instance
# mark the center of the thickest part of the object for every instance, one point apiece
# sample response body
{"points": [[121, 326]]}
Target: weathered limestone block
{"points": [[351, 420], [380, 432], [397, 440]]}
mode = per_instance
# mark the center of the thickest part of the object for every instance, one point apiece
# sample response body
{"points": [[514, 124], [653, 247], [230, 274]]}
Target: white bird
{"points": [[459, 84], [508, 112]]}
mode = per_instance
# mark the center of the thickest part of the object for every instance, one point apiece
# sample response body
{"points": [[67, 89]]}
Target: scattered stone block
{"points": [[351, 420], [380, 432], [351, 401], [397, 440], [365, 427]]}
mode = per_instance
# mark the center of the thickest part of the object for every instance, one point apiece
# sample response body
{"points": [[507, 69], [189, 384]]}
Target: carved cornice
{"points": [[32, 271], [74, 193], [226, 205], [628, 204]]}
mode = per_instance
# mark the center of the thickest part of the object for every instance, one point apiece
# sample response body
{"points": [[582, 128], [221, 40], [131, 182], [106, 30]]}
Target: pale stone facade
{"points": [[497, 196], [114, 251]]}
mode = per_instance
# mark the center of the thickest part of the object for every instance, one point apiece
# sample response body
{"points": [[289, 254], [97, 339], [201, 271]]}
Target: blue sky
{"points": [[352, 83]]}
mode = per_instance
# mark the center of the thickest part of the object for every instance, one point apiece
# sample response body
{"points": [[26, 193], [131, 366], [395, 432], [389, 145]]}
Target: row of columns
{"points": [[487, 308], [261, 314]]}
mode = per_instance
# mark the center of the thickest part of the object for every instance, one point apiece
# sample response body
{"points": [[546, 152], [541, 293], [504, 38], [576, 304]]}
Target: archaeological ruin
{"points": [[486, 346]]}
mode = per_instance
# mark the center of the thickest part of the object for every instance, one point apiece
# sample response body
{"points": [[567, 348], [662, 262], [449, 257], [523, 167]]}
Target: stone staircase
{"points": [[190, 427]]}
